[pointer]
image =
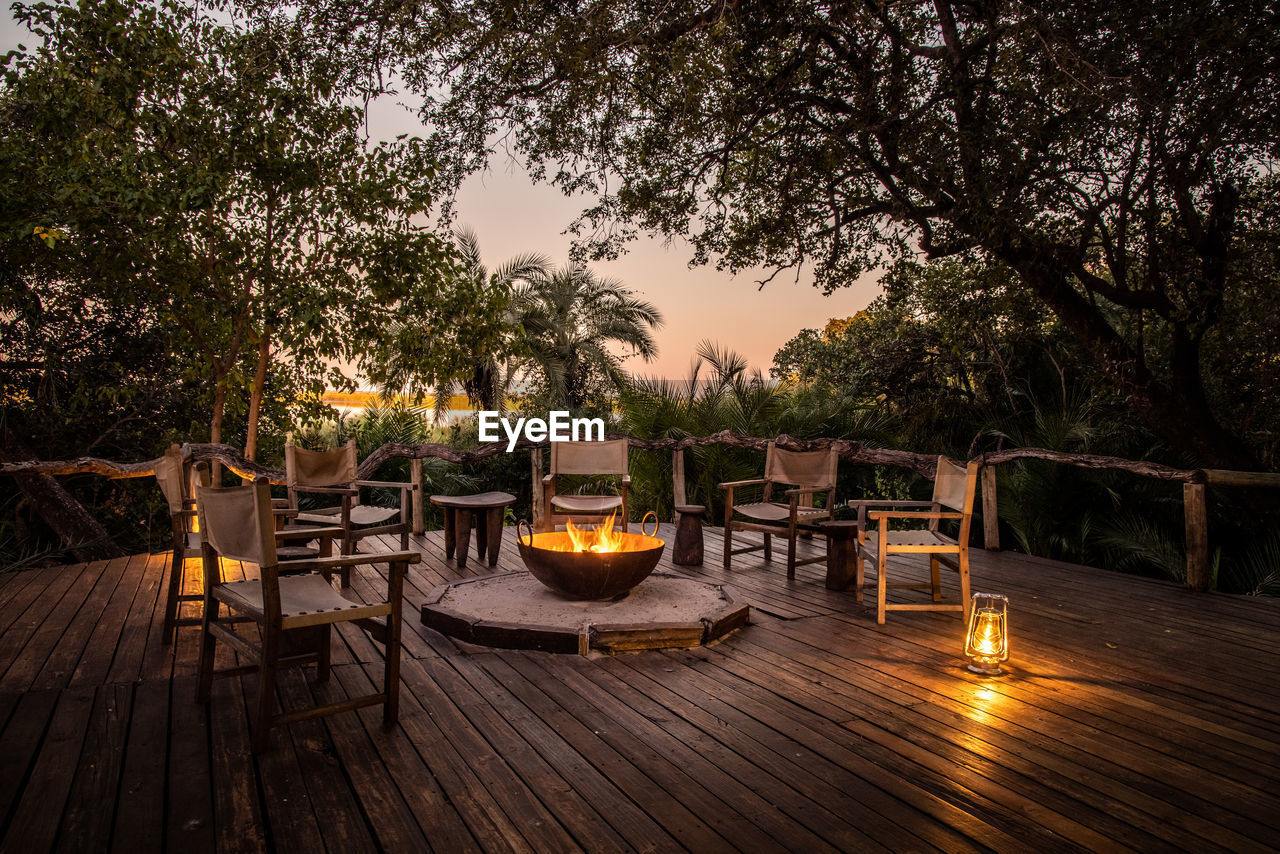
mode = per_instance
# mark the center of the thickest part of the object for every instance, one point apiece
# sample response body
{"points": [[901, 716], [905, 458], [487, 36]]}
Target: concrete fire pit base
{"points": [[514, 610]]}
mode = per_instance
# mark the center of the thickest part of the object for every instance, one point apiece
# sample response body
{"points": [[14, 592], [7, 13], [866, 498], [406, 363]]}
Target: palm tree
{"points": [[486, 387], [570, 319]]}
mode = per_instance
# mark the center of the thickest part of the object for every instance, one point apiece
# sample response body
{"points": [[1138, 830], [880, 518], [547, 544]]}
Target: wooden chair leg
{"points": [[936, 579], [204, 681], [391, 674], [882, 581], [175, 589], [346, 576], [324, 653], [266, 688], [768, 547], [791, 550], [728, 544], [965, 598], [859, 576]]}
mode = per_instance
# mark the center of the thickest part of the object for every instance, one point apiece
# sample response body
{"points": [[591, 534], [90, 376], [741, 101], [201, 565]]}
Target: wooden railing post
{"points": [[1195, 510], [990, 510], [419, 500], [535, 459], [677, 482]]}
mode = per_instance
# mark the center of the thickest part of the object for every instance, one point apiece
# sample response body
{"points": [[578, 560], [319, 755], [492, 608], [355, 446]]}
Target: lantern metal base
{"points": [[984, 668]]}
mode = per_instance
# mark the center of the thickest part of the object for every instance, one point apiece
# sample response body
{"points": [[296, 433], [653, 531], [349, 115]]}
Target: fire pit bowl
{"points": [[552, 559]]}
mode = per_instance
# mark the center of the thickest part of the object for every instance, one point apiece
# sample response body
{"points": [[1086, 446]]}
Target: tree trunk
{"points": [[215, 423], [255, 393], [66, 516]]}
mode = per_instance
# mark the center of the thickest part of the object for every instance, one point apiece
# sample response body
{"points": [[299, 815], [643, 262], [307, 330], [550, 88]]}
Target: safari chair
{"points": [[177, 478], [174, 475], [585, 458], [809, 473], [294, 615], [954, 488], [334, 473]]}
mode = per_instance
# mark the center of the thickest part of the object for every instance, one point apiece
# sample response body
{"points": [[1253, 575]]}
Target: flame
{"points": [[986, 637], [601, 538]]}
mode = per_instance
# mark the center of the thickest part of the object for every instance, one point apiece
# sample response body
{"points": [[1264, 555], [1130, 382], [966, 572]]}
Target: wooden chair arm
{"points": [[389, 484], [548, 479], [339, 561], [904, 514], [328, 490], [807, 490], [889, 503], [736, 483]]}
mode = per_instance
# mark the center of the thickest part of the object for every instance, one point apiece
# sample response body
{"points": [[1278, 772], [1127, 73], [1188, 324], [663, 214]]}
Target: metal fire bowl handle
{"points": [[521, 539], [655, 523]]}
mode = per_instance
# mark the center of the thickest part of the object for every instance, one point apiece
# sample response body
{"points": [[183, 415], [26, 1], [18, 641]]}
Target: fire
{"points": [[601, 538]]}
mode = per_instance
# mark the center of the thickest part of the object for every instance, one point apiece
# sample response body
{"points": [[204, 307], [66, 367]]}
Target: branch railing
{"points": [[1194, 481]]}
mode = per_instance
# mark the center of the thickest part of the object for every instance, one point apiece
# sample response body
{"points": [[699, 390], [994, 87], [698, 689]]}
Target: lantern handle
{"points": [[655, 523], [519, 537]]}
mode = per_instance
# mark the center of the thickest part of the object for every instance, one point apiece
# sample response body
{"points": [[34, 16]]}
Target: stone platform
{"points": [[513, 610]]}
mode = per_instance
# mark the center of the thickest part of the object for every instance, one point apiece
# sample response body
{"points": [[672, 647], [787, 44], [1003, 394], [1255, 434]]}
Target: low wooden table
{"points": [[486, 510]]}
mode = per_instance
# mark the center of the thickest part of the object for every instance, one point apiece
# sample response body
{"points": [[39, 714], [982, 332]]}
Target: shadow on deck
{"points": [[1136, 716]]}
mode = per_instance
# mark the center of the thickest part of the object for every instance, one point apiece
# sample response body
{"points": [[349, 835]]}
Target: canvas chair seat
{"points": [[361, 514], [305, 600], [587, 504], [771, 511]]}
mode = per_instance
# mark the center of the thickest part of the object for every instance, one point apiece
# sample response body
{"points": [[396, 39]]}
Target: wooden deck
{"points": [[1138, 716]]}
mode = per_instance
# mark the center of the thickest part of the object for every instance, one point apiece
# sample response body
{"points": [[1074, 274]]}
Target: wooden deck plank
{"points": [[571, 788], [1153, 725], [660, 755], [139, 825], [38, 816], [26, 645], [20, 745], [86, 826]]}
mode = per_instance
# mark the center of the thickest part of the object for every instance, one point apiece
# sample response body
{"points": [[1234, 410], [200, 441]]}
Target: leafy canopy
{"points": [[217, 178], [1107, 153]]}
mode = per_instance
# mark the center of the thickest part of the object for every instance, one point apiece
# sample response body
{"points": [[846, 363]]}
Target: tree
{"points": [[217, 176], [570, 318], [1107, 153], [489, 380]]}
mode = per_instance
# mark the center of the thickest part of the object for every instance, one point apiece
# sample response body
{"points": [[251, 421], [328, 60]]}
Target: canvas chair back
{"points": [[950, 487], [174, 477], [320, 468], [589, 457], [801, 468], [238, 523], [955, 488]]}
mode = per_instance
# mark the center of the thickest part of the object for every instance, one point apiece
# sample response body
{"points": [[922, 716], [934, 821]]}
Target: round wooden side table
{"points": [[460, 511]]}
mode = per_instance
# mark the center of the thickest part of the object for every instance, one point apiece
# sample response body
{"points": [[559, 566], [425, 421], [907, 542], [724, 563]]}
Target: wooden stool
{"points": [[688, 548], [459, 512], [842, 553]]}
